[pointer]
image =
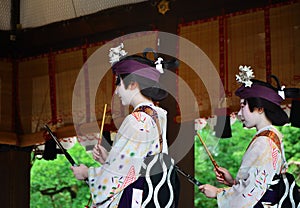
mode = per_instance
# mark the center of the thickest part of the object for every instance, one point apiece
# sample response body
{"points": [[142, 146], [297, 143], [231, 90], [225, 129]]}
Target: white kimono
{"points": [[137, 137], [261, 161]]}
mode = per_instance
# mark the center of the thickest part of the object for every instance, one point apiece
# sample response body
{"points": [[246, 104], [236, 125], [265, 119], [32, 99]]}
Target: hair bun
{"points": [[171, 64], [167, 64]]}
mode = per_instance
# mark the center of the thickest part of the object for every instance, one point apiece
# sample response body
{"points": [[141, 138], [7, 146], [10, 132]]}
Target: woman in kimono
{"points": [[264, 157], [137, 84]]}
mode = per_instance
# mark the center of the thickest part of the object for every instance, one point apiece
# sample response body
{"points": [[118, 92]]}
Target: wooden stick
{"points": [[210, 156], [207, 151], [102, 124]]}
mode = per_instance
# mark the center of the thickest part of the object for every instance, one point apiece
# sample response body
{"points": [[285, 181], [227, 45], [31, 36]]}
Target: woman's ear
{"points": [[133, 85], [260, 110]]}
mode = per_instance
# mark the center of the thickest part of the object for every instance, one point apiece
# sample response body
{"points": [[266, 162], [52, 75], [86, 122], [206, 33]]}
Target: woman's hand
{"points": [[99, 153], [223, 176], [80, 172], [208, 190]]}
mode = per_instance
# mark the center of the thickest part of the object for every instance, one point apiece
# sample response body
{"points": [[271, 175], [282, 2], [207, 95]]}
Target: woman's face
{"points": [[248, 118], [126, 95]]}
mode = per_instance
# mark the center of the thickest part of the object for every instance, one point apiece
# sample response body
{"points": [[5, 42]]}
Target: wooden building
{"points": [[40, 65]]}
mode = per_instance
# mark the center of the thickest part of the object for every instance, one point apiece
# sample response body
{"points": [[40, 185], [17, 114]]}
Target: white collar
{"points": [[144, 103], [265, 128]]}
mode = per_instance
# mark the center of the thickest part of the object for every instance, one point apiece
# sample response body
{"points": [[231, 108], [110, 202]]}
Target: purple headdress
{"points": [[254, 88], [121, 65]]}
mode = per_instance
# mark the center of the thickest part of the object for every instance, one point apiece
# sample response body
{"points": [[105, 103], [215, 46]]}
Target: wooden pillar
{"points": [[168, 44], [15, 176], [14, 160]]}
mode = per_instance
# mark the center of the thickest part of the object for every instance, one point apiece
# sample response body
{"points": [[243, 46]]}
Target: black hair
{"points": [[148, 87], [271, 110]]}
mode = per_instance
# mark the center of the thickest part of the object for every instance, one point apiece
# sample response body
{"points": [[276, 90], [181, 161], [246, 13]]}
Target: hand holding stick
{"points": [[99, 152], [209, 155], [64, 151]]}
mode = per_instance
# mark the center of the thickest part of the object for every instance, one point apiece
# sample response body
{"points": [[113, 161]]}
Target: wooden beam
{"points": [[38, 138], [114, 22], [9, 138], [26, 140], [31, 139]]}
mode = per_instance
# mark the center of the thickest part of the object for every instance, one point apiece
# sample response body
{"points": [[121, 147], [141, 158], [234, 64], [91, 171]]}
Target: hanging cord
{"points": [[280, 89], [74, 8], [277, 81], [89, 202]]}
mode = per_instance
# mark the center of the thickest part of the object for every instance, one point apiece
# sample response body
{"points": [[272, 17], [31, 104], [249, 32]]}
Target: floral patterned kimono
{"points": [[261, 161], [137, 137]]}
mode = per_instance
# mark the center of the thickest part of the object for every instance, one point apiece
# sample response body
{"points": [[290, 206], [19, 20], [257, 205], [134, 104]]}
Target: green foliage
{"points": [[54, 185], [228, 153]]}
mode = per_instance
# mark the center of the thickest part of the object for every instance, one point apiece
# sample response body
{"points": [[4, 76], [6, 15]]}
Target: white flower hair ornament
{"points": [[158, 65], [115, 54], [245, 75]]}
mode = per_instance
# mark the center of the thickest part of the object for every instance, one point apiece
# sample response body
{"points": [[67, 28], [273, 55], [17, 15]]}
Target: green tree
{"points": [[54, 185]]}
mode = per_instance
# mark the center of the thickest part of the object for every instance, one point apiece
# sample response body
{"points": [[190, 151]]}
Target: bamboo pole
{"points": [[208, 152], [102, 124]]}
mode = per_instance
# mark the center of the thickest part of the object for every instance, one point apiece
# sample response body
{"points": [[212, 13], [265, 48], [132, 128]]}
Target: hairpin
{"points": [[115, 54], [245, 75], [158, 65], [280, 88], [281, 92]]}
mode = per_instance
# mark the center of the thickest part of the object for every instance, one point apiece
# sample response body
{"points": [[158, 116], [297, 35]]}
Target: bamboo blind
{"points": [[245, 46], [285, 39], [34, 94], [202, 34], [226, 41], [246, 42], [67, 66]]}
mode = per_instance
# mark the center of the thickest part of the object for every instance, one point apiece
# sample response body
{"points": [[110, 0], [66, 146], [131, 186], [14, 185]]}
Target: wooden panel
{"points": [[6, 95], [15, 176], [8, 138]]}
